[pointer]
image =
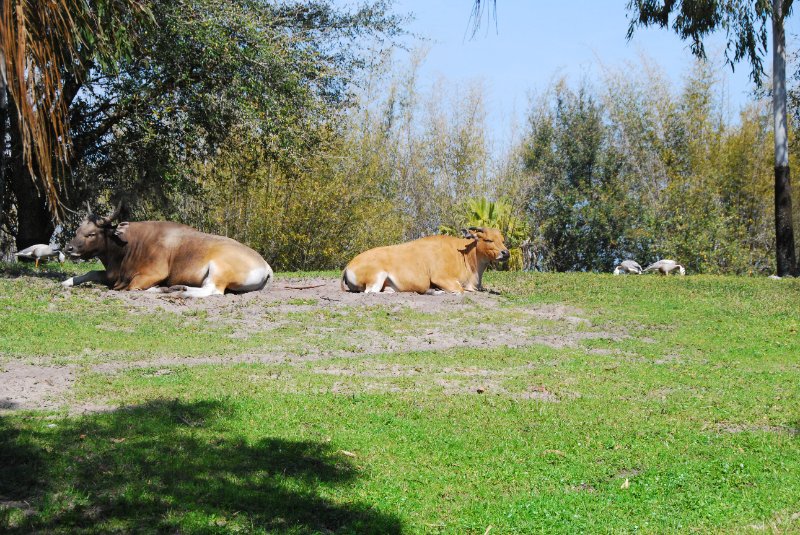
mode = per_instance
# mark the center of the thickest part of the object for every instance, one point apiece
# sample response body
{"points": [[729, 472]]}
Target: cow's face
{"points": [[89, 240], [491, 244]]}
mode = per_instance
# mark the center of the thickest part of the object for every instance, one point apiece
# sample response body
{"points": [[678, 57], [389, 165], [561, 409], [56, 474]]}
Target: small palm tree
{"points": [[497, 214], [500, 215]]}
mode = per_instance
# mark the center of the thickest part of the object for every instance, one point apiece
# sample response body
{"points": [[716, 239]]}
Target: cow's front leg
{"points": [[92, 276], [144, 281], [450, 285]]}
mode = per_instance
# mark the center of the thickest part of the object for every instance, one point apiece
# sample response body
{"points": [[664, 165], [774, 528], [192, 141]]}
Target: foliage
{"points": [[745, 23], [275, 124], [397, 167], [318, 215], [272, 74], [437, 148], [574, 189], [277, 74], [636, 171], [43, 50]]}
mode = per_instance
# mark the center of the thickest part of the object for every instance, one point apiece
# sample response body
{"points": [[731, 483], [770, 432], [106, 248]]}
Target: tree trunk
{"points": [[784, 233], [3, 131], [34, 222]]}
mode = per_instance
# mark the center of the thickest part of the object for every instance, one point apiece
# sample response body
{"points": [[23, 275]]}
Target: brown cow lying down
{"points": [[428, 264], [149, 254]]}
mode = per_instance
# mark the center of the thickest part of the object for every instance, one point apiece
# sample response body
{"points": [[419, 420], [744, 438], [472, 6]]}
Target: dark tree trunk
{"points": [[34, 222], [3, 132], [784, 233]]}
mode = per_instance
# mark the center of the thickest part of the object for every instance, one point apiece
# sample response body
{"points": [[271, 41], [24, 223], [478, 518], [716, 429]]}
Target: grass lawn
{"points": [[624, 404]]}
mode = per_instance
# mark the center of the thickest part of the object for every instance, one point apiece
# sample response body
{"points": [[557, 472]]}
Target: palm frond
{"points": [[39, 41]]}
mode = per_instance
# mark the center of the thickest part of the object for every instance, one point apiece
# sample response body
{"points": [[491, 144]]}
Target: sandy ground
{"points": [[458, 321]]}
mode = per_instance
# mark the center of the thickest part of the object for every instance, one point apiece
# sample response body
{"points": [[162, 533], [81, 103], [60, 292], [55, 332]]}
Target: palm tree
{"points": [[40, 43]]}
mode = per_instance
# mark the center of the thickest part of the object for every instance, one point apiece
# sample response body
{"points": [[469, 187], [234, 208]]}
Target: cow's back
{"points": [[184, 253], [411, 266]]}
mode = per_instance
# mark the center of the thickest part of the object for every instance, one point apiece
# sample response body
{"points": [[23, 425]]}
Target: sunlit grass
{"points": [[687, 419]]}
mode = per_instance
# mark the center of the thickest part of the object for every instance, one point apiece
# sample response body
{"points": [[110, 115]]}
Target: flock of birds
{"points": [[665, 267]]}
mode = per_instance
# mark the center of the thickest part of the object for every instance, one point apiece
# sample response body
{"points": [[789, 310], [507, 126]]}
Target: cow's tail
{"points": [[349, 283], [269, 276]]}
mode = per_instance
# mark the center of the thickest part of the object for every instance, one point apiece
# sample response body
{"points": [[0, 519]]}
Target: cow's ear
{"points": [[466, 234], [121, 231]]}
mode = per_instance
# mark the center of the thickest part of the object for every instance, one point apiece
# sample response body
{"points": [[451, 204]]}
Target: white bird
{"points": [[39, 251], [665, 267], [628, 266]]}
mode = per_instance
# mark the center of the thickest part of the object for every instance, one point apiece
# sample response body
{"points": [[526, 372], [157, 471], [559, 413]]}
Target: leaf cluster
{"points": [[743, 21]]}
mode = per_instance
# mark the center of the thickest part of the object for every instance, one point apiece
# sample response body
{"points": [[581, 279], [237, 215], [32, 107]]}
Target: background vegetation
{"points": [[288, 126]]}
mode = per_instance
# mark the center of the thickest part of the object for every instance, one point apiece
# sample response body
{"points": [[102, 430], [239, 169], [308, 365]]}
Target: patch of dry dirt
{"points": [[294, 295], [724, 427], [24, 386]]}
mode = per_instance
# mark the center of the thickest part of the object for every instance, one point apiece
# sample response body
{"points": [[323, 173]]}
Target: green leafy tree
{"points": [[276, 74], [745, 22], [637, 172], [575, 190]]}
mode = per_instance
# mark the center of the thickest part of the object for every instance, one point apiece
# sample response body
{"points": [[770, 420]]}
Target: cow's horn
{"points": [[114, 215], [478, 229], [467, 234]]}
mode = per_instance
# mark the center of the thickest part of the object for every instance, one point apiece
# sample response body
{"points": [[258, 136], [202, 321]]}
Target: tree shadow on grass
{"points": [[171, 467], [46, 270]]}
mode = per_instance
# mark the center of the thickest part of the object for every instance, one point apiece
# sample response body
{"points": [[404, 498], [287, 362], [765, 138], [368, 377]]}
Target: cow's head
{"points": [[91, 237], [489, 241]]}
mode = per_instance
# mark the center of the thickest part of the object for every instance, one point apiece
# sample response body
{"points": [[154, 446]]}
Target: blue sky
{"points": [[539, 40]]}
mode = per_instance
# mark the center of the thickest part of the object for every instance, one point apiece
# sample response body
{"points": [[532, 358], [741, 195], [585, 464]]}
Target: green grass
{"points": [[695, 403]]}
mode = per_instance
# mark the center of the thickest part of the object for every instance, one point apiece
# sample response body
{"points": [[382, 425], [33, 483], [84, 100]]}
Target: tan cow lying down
{"points": [[149, 254], [434, 263]]}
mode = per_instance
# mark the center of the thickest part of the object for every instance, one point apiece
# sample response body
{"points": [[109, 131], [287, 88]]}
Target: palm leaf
{"points": [[37, 40]]}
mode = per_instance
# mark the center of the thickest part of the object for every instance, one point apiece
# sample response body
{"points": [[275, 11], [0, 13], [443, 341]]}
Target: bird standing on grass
{"points": [[39, 251], [628, 266], [665, 267]]}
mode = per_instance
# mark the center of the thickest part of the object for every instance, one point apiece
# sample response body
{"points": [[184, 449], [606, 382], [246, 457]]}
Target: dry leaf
{"points": [[347, 453], [625, 484], [117, 440]]}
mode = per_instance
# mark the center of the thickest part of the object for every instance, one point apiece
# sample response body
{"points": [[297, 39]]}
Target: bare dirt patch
{"points": [[23, 386], [342, 324], [298, 295], [727, 427], [32, 387]]}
